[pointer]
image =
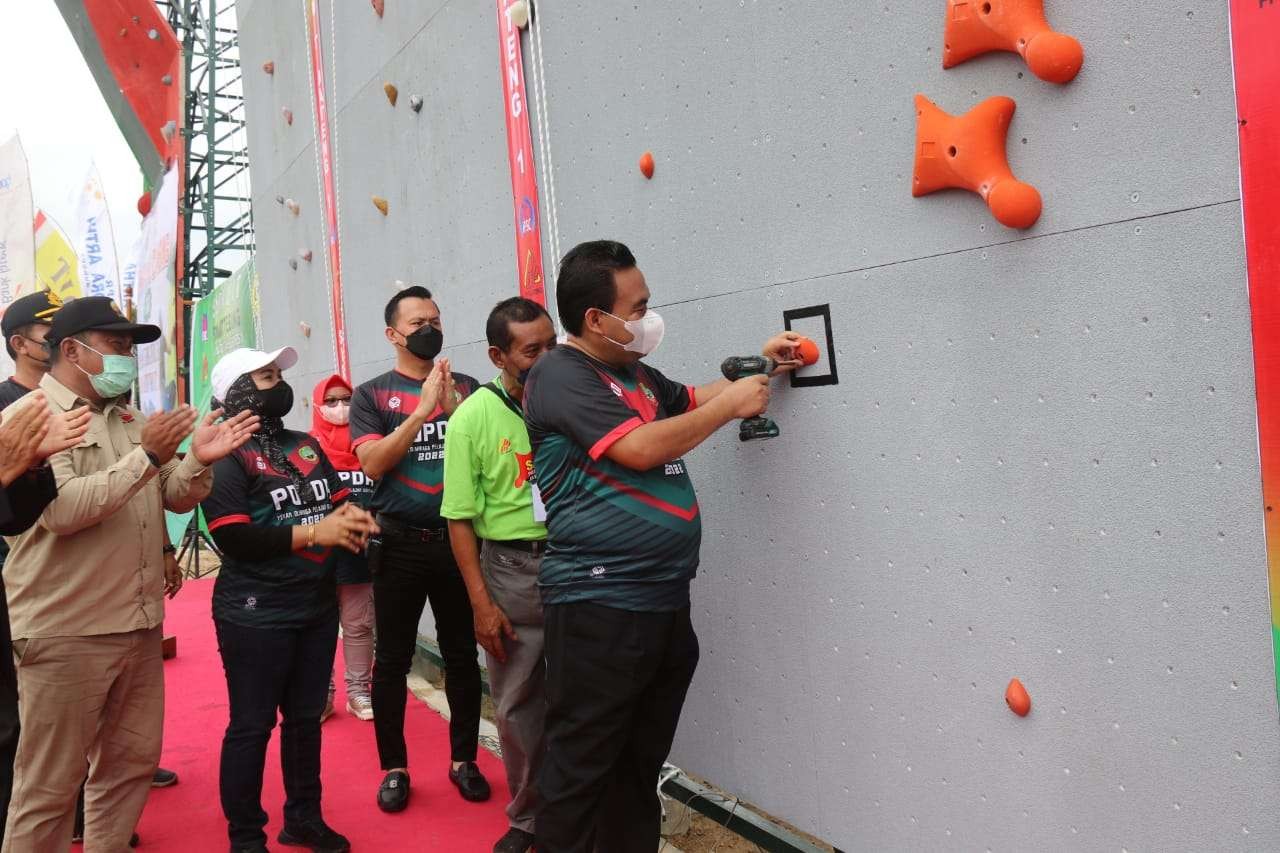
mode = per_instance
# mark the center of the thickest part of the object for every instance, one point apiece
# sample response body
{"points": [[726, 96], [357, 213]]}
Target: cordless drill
{"points": [[739, 366]]}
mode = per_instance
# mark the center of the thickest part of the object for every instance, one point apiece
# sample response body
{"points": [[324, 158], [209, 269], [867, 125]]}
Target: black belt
{"points": [[536, 547], [398, 528]]}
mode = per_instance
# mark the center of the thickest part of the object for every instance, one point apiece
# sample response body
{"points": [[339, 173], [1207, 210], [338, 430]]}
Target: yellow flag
{"points": [[57, 267]]}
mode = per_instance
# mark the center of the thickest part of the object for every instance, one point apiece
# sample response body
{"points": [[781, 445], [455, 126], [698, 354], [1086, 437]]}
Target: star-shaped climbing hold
{"points": [[967, 152], [975, 27]]}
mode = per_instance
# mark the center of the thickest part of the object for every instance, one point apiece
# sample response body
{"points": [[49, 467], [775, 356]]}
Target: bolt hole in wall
{"points": [[813, 584]]}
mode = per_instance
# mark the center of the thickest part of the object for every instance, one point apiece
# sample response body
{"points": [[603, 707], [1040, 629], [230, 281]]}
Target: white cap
{"points": [[238, 362]]}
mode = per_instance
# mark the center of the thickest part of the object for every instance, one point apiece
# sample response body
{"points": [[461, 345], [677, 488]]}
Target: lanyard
{"points": [[502, 395]]}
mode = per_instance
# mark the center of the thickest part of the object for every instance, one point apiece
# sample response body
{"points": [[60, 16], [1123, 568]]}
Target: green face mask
{"points": [[118, 373]]}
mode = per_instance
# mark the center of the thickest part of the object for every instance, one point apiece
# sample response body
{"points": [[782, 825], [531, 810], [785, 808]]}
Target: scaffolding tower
{"points": [[217, 219]]}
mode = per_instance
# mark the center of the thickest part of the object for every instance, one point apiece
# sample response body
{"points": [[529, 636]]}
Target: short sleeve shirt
{"points": [[616, 537], [280, 592], [412, 491], [488, 468], [11, 391]]}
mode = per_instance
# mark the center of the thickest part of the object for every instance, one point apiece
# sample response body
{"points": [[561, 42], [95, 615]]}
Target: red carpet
{"points": [[188, 819]]}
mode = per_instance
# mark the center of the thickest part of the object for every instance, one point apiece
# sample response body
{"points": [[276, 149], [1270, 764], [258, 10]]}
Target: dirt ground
{"points": [[706, 836]]}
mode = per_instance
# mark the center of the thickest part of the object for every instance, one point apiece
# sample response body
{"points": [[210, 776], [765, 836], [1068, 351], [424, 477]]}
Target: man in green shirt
{"points": [[490, 497]]}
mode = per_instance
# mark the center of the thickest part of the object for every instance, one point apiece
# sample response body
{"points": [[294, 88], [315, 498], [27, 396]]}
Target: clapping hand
{"points": [[432, 389], [66, 429], [450, 398], [22, 431], [212, 441], [164, 431], [348, 527]]}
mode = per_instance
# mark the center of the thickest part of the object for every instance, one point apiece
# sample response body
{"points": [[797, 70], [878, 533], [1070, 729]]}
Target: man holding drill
{"points": [[608, 433]]}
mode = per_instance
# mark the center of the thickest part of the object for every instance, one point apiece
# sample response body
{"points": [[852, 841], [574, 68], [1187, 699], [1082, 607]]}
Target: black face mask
{"points": [[277, 401], [425, 343]]}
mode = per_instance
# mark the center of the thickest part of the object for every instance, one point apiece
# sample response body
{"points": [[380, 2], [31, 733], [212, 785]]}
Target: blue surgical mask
{"points": [[117, 376]]}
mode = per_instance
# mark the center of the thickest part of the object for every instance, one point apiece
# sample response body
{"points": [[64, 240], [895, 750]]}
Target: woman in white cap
{"points": [[272, 514]]}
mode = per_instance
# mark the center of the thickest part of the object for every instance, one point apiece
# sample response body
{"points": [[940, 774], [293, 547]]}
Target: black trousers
{"points": [[407, 573], [8, 708], [616, 682], [269, 669]]}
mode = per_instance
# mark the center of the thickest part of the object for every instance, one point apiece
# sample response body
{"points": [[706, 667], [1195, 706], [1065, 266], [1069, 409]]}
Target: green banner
{"points": [[224, 320]]}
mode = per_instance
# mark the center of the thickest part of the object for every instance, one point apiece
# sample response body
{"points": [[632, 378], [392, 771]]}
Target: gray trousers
{"points": [[518, 686]]}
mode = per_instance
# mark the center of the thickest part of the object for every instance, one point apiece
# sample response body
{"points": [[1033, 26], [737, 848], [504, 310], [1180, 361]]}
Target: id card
{"points": [[539, 510]]}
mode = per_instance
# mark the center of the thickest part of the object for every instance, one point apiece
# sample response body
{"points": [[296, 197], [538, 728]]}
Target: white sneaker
{"points": [[360, 707]]}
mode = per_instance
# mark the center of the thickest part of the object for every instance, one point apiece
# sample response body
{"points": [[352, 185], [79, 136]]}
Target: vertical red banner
{"points": [[324, 151], [1255, 35], [524, 186]]}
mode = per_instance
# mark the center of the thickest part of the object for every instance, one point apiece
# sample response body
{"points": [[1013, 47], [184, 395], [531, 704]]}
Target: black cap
{"points": [[97, 313], [38, 307]]}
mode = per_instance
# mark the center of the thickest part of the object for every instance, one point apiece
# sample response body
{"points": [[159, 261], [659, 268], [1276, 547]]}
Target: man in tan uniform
{"points": [[86, 589]]}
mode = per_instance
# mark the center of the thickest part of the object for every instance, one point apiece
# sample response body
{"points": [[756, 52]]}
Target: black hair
{"points": [[517, 309], [586, 280], [415, 291]]}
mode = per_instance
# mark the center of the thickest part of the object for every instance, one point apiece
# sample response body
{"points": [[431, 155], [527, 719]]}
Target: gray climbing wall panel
{"points": [[1040, 457]]}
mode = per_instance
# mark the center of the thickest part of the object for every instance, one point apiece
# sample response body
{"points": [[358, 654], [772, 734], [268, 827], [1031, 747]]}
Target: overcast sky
{"points": [[49, 97]]}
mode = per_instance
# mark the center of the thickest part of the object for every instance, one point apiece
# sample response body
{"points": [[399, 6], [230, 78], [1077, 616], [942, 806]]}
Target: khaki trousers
{"points": [[518, 685], [98, 699]]}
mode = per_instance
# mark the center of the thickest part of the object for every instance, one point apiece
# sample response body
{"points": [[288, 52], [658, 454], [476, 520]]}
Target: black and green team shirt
{"points": [[412, 491], [616, 537], [280, 592], [354, 568]]}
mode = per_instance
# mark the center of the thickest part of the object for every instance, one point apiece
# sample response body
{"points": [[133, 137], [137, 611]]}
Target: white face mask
{"points": [[646, 333], [336, 413]]}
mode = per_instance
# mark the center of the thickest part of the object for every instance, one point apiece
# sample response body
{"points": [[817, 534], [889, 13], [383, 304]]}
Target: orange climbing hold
{"points": [[967, 152], [380, 203], [646, 164], [269, 67], [377, 6], [807, 350], [392, 92], [1016, 26], [1016, 695], [288, 115]]}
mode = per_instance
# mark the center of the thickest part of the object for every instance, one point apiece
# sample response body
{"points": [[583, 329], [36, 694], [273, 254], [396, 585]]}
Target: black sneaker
{"points": [[163, 778], [515, 841], [260, 847], [315, 834], [393, 793], [471, 784]]}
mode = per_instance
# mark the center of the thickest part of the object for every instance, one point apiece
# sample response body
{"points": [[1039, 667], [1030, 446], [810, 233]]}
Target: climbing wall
{"points": [[441, 172], [1036, 458]]}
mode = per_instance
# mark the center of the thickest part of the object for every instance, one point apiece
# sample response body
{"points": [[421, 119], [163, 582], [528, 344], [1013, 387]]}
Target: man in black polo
{"points": [[398, 423], [608, 433], [26, 321]]}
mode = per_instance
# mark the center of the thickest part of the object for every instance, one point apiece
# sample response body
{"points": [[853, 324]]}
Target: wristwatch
{"points": [[170, 549], [155, 460]]}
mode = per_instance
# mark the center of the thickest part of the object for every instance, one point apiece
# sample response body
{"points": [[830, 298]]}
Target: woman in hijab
{"points": [[275, 605], [330, 412]]}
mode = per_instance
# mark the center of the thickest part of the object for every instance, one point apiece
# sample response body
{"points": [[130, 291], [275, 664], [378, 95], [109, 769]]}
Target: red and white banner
{"points": [[1255, 32], [524, 186], [342, 363]]}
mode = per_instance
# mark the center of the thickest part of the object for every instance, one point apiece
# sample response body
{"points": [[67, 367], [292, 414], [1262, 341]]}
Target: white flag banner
{"points": [[17, 242], [155, 299], [94, 241]]}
